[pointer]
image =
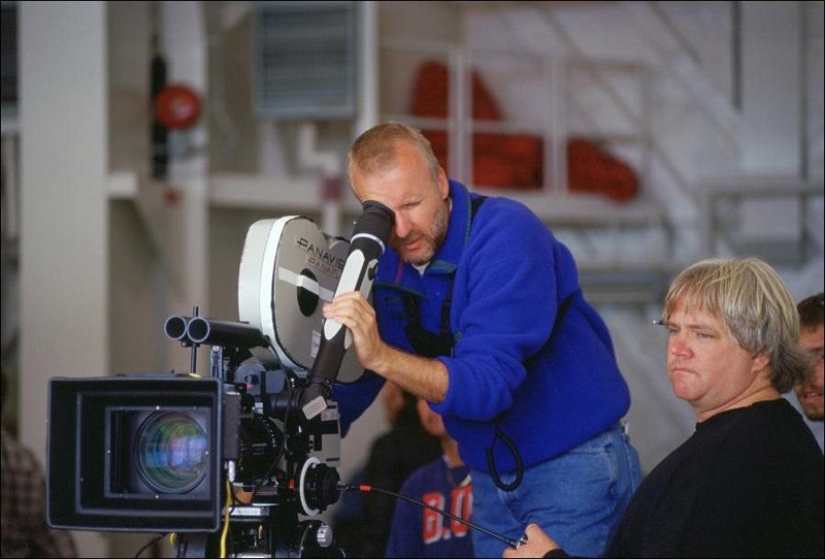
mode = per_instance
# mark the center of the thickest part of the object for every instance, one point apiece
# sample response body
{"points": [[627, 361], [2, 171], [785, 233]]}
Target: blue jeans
{"points": [[578, 497]]}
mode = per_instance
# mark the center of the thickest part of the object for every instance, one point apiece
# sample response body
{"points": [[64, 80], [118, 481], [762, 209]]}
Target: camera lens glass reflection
{"points": [[171, 452]]}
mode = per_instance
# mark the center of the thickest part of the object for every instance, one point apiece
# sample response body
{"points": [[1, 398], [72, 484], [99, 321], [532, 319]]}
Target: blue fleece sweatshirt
{"points": [[421, 532], [508, 276]]}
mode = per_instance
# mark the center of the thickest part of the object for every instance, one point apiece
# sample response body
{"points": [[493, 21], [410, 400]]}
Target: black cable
{"points": [[367, 489], [149, 544], [491, 461]]}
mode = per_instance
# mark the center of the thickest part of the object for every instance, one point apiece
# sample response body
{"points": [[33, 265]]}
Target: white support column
{"points": [[772, 63], [368, 58], [64, 208], [771, 98], [183, 39]]}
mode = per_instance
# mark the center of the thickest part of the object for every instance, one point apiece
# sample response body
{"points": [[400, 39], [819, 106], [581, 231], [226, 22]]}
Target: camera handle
{"points": [[371, 232]]}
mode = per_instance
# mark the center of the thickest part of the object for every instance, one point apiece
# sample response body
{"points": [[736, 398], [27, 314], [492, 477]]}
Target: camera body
{"points": [[154, 453], [239, 456], [176, 453]]}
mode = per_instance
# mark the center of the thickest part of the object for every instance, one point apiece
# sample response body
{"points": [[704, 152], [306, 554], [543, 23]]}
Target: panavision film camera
{"points": [[236, 464]]}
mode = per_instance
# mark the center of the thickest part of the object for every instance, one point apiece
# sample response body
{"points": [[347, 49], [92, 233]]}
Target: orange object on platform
{"points": [[591, 169], [515, 160]]}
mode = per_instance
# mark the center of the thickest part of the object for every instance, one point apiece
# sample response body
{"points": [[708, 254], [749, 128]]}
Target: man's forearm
{"points": [[426, 378]]}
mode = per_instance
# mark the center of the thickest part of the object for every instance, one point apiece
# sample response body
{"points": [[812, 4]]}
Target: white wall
{"points": [[71, 251]]}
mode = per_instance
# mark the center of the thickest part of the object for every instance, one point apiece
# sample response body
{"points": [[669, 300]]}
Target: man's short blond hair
{"points": [[374, 151]]}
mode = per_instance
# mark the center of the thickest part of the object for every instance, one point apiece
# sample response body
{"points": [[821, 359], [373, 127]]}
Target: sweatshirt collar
{"points": [[458, 231]]}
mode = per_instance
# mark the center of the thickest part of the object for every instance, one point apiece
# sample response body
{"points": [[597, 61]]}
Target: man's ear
{"points": [[760, 361], [443, 184]]}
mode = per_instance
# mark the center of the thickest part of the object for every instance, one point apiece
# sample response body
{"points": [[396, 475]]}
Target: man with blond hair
{"points": [[749, 481]]}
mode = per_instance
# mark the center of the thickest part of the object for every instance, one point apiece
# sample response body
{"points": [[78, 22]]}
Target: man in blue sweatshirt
{"points": [[478, 310]]}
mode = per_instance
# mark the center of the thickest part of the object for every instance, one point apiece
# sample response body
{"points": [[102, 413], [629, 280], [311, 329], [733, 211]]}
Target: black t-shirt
{"points": [[748, 483]]}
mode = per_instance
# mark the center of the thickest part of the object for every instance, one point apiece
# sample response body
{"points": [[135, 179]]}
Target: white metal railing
{"points": [[548, 79], [593, 226], [787, 232]]}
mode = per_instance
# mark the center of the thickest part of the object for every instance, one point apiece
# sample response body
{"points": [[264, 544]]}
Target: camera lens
{"points": [[171, 452]]}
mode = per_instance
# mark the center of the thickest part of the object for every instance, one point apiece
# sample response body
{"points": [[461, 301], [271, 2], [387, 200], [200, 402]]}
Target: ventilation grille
{"points": [[306, 59]]}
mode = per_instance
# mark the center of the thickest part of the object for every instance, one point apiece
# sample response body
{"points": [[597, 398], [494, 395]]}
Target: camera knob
{"points": [[324, 536], [317, 486]]}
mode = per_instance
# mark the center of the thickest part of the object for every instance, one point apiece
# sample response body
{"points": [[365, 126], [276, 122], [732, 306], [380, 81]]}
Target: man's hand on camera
{"points": [[354, 311], [537, 545]]}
